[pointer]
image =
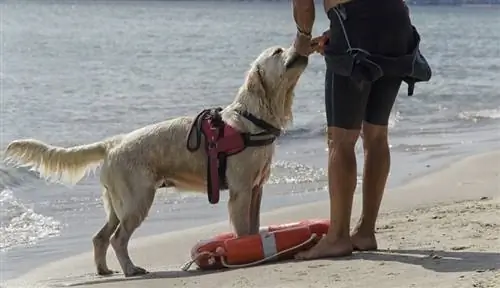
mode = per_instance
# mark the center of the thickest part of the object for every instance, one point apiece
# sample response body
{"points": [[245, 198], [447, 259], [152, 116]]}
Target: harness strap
{"points": [[256, 140], [213, 176], [196, 129], [260, 123]]}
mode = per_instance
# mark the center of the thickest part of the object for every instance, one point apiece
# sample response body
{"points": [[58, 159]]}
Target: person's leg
{"points": [[377, 159], [345, 105]]}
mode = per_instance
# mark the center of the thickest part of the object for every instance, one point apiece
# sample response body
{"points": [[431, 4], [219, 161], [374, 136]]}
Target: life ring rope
{"points": [[312, 238], [188, 264]]}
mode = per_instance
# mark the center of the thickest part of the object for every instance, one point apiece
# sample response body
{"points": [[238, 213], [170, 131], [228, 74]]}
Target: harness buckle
{"points": [[212, 147]]}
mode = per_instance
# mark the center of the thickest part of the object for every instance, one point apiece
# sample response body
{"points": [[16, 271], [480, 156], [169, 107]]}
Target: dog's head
{"points": [[273, 77], [276, 64]]}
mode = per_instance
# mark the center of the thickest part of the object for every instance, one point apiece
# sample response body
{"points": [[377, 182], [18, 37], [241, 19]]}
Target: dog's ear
{"points": [[255, 81]]}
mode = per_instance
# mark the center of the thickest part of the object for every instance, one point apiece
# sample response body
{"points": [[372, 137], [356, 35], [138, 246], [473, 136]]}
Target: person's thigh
{"points": [[381, 100], [345, 101]]}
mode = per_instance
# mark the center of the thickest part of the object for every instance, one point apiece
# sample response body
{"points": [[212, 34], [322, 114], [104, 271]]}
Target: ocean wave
{"points": [[20, 225], [480, 114], [314, 129], [13, 177], [417, 148], [306, 131]]}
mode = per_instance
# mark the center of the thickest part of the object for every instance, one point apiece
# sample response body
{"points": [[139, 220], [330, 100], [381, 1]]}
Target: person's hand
{"points": [[318, 43], [302, 44]]}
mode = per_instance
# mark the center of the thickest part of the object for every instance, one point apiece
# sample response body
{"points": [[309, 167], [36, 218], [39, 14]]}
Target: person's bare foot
{"points": [[327, 248], [363, 242]]}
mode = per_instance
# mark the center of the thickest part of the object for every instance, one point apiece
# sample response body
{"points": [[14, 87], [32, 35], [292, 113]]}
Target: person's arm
{"points": [[304, 14]]}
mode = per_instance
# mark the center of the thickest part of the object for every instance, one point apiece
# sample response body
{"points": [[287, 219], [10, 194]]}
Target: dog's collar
{"points": [[260, 123]]}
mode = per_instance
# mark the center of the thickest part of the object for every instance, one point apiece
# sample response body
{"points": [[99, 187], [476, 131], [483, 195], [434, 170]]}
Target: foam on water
{"points": [[480, 114], [294, 173], [20, 225], [394, 118], [285, 172]]}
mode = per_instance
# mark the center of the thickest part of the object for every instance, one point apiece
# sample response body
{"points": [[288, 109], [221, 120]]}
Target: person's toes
{"points": [[304, 255], [327, 248]]}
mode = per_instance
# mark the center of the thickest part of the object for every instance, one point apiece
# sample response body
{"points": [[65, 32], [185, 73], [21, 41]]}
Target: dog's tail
{"points": [[58, 163]]}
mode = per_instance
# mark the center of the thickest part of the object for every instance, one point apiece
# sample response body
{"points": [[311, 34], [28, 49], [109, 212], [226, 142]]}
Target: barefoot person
{"points": [[360, 89]]}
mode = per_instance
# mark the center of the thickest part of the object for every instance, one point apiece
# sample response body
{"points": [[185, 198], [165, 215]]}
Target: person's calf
{"points": [[342, 178], [342, 182], [375, 173]]}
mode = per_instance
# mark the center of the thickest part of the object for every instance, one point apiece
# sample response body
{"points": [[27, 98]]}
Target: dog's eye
{"points": [[277, 51]]}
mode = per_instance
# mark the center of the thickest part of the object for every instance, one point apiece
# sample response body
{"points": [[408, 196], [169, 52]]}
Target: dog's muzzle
{"points": [[296, 60]]}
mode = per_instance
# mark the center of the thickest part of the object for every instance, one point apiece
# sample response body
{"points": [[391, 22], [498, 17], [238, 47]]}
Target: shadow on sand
{"points": [[167, 274], [436, 260]]}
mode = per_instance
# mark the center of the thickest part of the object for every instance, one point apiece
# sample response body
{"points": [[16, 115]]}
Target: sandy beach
{"points": [[440, 230]]}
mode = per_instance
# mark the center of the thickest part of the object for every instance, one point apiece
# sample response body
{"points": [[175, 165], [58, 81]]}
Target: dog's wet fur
{"points": [[135, 165]]}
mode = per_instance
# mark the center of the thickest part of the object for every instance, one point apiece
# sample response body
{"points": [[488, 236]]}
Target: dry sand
{"points": [[441, 230]]}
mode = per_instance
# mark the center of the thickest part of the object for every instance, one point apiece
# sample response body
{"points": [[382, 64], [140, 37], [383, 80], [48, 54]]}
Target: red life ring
{"points": [[275, 241]]}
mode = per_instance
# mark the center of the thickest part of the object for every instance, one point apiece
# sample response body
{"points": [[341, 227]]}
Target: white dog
{"points": [[135, 165]]}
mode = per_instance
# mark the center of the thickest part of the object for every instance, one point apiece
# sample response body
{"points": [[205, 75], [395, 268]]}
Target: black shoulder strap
{"points": [[260, 123]]}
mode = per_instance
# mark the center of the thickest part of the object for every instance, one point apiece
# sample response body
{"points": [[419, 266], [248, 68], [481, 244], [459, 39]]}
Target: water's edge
{"points": [[140, 235]]}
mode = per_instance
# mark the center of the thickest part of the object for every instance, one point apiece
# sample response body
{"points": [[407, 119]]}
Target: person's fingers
{"points": [[307, 46], [315, 44], [317, 39], [302, 44]]}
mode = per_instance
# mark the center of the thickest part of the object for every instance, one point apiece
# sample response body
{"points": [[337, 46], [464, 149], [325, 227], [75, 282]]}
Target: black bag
{"points": [[360, 65], [421, 70]]}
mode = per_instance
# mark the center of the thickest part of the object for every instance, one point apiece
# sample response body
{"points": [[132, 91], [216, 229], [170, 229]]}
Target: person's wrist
{"points": [[302, 43], [303, 33]]}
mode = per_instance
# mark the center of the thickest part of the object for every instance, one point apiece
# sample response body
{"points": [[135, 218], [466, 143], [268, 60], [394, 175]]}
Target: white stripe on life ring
{"points": [[268, 244], [263, 230]]}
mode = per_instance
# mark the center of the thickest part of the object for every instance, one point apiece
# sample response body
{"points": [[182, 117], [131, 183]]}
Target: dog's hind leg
{"points": [[133, 213], [101, 239]]}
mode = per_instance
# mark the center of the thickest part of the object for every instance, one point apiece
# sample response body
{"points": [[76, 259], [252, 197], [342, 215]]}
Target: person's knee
{"points": [[342, 139], [375, 136]]}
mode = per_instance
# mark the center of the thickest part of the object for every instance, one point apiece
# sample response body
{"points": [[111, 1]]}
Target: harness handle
{"points": [[196, 127], [209, 122]]}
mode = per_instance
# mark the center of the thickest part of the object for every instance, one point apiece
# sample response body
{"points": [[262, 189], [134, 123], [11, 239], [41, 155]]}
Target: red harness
{"points": [[223, 140]]}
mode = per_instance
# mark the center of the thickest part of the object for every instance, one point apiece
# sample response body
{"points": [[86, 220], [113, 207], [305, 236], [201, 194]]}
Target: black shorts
{"points": [[379, 29]]}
